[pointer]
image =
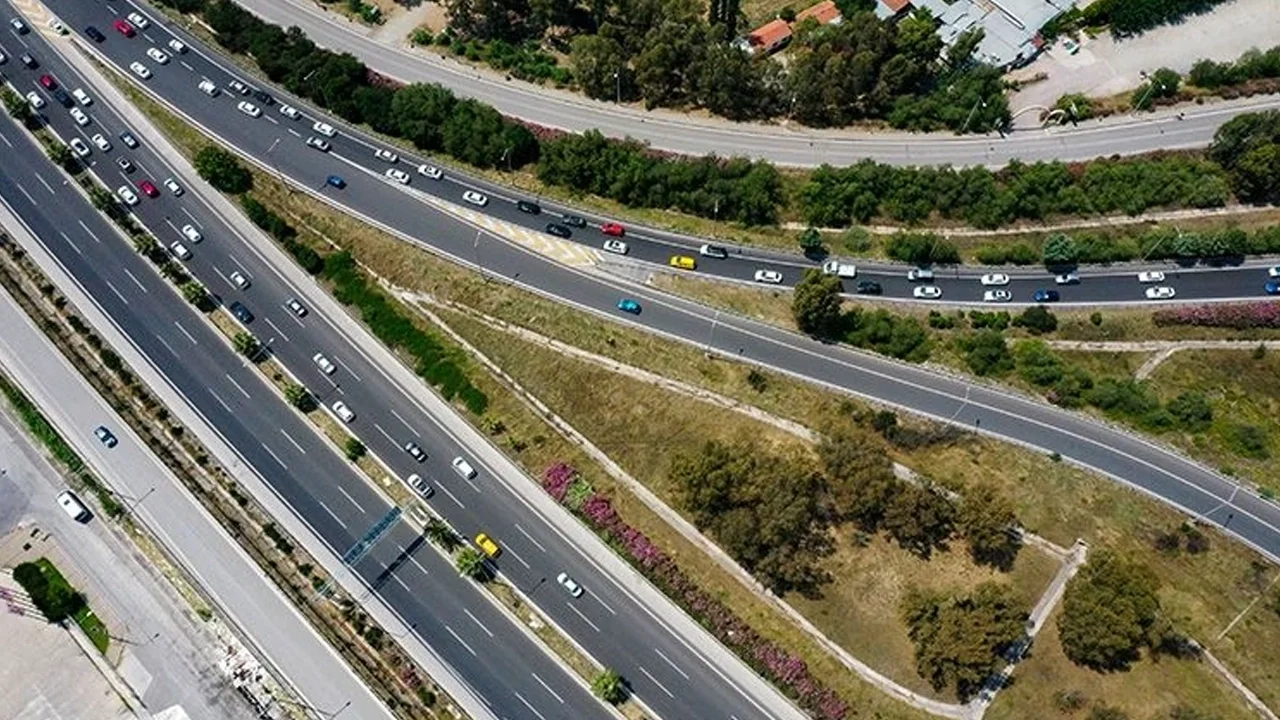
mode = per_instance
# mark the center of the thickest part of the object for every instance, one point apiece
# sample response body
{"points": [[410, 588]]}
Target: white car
{"points": [[78, 115], [569, 584], [772, 277], [127, 195], [325, 364], [192, 233], [997, 296], [57, 26], [463, 468], [290, 112], [249, 108], [430, 171], [616, 246], [1067, 278], [140, 70], [139, 21], [208, 88], [318, 144], [180, 251], [35, 100], [475, 198], [173, 186], [324, 129], [342, 411], [399, 176], [1273, 272], [295, 307], [920, 275], [926, 292], [839, 269], [177, 46], [1150, 276], [386, 156], [102, 142], [82, 97], [1160, 292], [238, 87], [79, 147], [240, 280], [158, 55], [995, 279], [420, 486]]}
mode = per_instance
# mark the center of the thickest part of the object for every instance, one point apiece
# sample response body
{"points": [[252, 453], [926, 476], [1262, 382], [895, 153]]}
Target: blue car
{"points": [[1047, 296], [628, 305], [336, 181], [1272, 288]]}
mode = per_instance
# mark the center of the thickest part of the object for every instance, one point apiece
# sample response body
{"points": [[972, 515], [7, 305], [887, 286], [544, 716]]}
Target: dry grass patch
{"points": [[1102, 364]]}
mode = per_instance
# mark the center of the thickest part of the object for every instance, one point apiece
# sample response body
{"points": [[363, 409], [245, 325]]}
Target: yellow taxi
{"points": [[486, 543], [684, 262]]}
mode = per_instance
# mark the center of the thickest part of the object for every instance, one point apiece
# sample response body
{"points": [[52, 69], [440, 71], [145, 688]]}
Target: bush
{"points": [[987, 353], [222, 169], [921, 249], [1192, 411], [1241, 316], [49, 591], [984, 320], [1037, 319], [897, 336]]}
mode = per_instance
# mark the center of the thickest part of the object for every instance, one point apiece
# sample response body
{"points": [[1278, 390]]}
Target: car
{"points": [[415, 451], [431, 171], [1150, 276], [139, 20], [575, 221], [991, 279], [1274, 271], [102, 142], [248, 108], [616, 247], [1067, 278], [207, 87], [177, 46], [58, 26], [569, 584], [148, 189], [79, 147], [191, 233], [1046, 296], [63, 98], [35, 100], [1272, 288], [613, 229], [920, 275], [343, 412], [264, 97], [558, 230], [627, 305], [127, 195], [335, 181], [868, 287], [158, 55], [128, 139], [82, 97], [290, 112], [839, 269], [683, 262], [926, 292], [19, 26], [240, 279], [325, 364], [124, 164], [106, 436], [78, 115], [95, 34], [318, 144], [420, 486], [173, 187], [1160, 292], [528, 206], [71, 503], [295, 307], [713, 251], [488, 546], [463, 468], [399, 176], [386, 155], [140, 70], [241, 312], [3, 58], [237, 87], [179, 250], [47, 82], [997, 296], [324, 129], [475, 198], [772, 277], [28, 61]]}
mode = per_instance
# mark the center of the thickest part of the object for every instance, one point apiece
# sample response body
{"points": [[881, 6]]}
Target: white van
{"points": [[73, 507], [463, 468]]}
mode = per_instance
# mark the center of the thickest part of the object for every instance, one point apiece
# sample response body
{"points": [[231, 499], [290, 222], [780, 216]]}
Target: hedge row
{"points": [[1239, 316]]}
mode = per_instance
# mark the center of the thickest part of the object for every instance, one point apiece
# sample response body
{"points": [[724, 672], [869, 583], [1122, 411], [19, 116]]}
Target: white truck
{"points": [[844, 270]]}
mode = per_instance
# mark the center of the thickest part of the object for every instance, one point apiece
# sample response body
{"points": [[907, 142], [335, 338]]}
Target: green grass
{"points": [[93, 627]]}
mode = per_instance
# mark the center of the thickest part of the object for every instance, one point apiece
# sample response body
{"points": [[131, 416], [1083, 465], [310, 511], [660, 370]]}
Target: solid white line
{"points": [[331, 513], [473, 485], [184, 332], [532, 709], [476, 620], [519, 559], [222, 402], [460, 640], [452, 497], [385, 434], [289, 437], [166, 344], [46, 184], [655, 682], [233, 382], [135, 280], [547, 687], [86, 229], [267, 320], [123, 299], [6, 140], [673, 665], [530, 538], [274, 456], [602, 603], [72, 244], [404, 422], [24, 192], [585, 619], [351, 500]]}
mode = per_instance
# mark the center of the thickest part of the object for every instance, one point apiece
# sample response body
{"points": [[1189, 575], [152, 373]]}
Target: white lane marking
{"points": [[272, 120], [135, 280], [404, 422], [519, 559], [351, 500], [242, 390], [585, 619], [460, 640], [46, 184], [452, 497], [296, 319], [385, 434], [86, 229], [166, 344], [24, 192], [123, 299], [476, 620], [344, 367], [530, 538], [532, 709], [294, 133], [6, 140], [414, 560], [673, 665], [331, 513], [72, 243], [289, 437], [193, 217], [397, 579], [547, 687], [274, 456], [222, 402], [184, 64], [655, 682], [267, 320], [603, 604], [184, 332]]}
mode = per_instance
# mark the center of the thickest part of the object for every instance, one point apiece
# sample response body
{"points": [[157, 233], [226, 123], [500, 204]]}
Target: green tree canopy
{"points": [[959, 639], [222, 169], [815, 303], [1107, 612]]}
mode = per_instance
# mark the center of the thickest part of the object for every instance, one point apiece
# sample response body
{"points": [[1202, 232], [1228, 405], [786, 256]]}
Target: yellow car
{"points": [[684, 262], [487, 544]]}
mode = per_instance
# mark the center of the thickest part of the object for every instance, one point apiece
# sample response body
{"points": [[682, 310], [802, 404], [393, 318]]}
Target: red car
{"points": [[148, 189], [125, 28], [613, 229], [48, 82]]}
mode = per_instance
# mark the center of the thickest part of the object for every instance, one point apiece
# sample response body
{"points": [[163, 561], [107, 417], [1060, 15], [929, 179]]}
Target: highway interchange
{"points": [[116, 276]]}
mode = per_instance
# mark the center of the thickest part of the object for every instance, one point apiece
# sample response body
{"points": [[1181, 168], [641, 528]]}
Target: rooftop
{"points": [[1010, 26], [825, 12]]}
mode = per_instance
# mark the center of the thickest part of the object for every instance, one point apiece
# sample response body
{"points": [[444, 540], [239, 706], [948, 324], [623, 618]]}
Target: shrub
{"points": [[222, 169], [921, 249], [1192, 410], [983, 320], [1238, 316], [49, 591], [987, 353], [1037, 319]]}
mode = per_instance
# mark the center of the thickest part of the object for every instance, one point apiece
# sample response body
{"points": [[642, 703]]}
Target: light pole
{"points": [[974, 109], [617, 83], [711, 334], [262, 349], [1151, 86], [134, 505]]}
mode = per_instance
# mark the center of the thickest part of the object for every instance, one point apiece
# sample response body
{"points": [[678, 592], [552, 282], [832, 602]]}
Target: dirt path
{"points": [[1163, 349]]}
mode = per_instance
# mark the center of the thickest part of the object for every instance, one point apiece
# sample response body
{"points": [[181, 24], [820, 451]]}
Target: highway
{"points": [[616, 622], [786, 145]]}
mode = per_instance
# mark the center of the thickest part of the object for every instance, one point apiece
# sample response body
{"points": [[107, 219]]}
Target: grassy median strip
{"points": [[58, 600]]}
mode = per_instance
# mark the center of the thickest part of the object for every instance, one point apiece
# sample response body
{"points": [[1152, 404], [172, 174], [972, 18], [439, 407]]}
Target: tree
{"points": [[730, 84], [62, 155], [439, 532], [860, 476], [145, 245], [1038, 319], [222, 169], [815, 304], [987, 521], [960, 639], [811, 242], [195, 294], [600, 67], [471, 564], [919, 519], [354, 449], [299, 397], [246, 344], [609, 686], [1108, 610], [987, 353], [57, 601]]}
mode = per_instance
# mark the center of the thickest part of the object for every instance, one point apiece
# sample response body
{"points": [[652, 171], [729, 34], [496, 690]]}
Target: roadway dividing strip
{"points": [[562, 251]]}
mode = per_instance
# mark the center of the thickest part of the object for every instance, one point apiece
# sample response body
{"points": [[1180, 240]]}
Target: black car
{"points": [[575, 221], [527, 206], [241, 312], [63, 98], [95, 34], [558, 230], [29, 61], [263, 97], [869, 287], [1047, 296]]}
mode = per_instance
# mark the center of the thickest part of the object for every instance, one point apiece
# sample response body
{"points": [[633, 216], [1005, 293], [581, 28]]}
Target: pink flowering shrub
{"points": [[1240, 316], [785, 670]]}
